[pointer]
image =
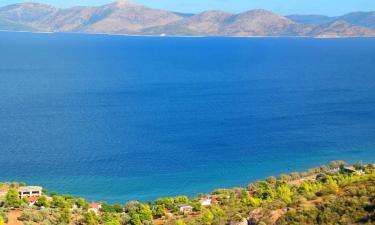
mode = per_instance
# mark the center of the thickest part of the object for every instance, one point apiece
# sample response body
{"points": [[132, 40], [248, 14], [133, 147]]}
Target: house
{"points": [[95, 207], [206, 201], [29, 191], [185, 209], [32, 200], [335, 169], [361, 172]]}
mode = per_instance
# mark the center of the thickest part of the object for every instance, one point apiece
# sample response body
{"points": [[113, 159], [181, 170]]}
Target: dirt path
{"points": [[12, 218], [299, 181]]}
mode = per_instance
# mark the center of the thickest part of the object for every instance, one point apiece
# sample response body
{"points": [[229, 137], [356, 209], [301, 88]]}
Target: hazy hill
{"points": [[124, 17], [312, 19], [341, 29], [9, 25], [365, 19]]}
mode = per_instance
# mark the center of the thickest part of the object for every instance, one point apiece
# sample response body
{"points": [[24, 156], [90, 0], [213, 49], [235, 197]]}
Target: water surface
{"points": [[118, 118]]}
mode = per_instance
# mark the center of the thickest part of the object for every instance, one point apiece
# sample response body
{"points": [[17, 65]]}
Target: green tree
{"points": [[42, 201], [358, 166], [81, 203], [65, 217], [111, 219], [134, 219], [112, 222], [181, 200], [144, 212], [118, 208], [60, 202], [90, 218], [158, 211], [284, 193], [2, 222], [12, 199], [166, 202], [180, 222], [25, 200], [331, 187], [207, 218]]}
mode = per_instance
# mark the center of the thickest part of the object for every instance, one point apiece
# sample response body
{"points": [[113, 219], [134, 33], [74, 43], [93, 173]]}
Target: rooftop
{"points": [[33, 199], [95, 205], [29, 188]]}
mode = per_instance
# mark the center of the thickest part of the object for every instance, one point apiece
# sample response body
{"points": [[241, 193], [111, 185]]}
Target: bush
{"points": [[12, 199], [37, 218], [25, 216]]}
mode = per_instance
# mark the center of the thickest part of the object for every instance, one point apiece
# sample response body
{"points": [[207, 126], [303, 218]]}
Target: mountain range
{"points": [[127, 18]]}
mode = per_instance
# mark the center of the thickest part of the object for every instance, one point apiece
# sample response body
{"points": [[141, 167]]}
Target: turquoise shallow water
{"points": [[120, 118]]}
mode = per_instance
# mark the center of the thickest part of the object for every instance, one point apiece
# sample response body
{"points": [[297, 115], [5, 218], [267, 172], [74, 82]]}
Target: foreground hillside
{"points": [[127, 18], [333, 194]]}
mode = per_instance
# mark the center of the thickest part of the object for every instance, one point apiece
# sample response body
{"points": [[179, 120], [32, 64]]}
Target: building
{"points": [[95, 207], [29, 191], [32, 200], [335, 169], [185, 209], [206, 201]]}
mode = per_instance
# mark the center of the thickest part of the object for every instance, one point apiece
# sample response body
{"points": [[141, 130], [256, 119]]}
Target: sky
{"points": [[284, 7]]}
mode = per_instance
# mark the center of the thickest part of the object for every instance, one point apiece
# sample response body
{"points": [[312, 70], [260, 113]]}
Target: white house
{"points": [[206, 202], [95, 207], [186, 209], [29, 191]]}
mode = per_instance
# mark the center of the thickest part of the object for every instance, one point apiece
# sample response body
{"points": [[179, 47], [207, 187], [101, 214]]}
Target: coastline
{"points": [[326, 182], [192, 36]]}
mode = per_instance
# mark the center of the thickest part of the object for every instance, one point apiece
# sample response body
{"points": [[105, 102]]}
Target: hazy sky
{"points": [[328, 7]]}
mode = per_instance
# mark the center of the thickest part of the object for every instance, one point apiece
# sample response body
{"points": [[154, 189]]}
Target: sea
{"points": [[119, 118]]}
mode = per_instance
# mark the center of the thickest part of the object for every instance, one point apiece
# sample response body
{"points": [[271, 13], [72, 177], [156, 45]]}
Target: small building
{"points": [[29, 191], [206, 201], [32, 200], [361, 172], [335, 169], [95, 207], [185, 209]]}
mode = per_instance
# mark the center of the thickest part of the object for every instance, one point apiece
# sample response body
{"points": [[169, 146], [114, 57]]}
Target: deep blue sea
{"points": [[119, 118]]}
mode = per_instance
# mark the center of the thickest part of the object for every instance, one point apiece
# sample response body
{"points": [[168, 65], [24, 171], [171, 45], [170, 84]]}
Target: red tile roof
{"points": [[95, 205], [33, 199]]}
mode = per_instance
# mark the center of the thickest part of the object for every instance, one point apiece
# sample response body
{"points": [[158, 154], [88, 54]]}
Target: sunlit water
{"points": [[118, 118]]}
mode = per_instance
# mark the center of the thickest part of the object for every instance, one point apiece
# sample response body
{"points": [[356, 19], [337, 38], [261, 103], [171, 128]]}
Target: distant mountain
{"points": [[365, 19], [124, 17], [341, 29], [9, 25], [312, 19], [120, 17]]}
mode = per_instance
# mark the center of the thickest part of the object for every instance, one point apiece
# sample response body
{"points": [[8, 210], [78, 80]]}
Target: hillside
{"points": [[362, 19], [127, 18], [332, 194], [9, 25]]}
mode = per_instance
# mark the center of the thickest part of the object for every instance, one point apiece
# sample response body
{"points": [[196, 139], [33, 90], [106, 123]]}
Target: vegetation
{"points": [[332, 194]]}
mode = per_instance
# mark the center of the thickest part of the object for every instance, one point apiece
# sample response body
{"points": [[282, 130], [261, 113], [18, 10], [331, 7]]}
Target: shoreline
{"points": [[237, 205], [192, 36]]}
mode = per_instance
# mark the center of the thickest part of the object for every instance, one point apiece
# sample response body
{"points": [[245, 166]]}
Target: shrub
{"points": [[25, 216], [12, 199]]}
